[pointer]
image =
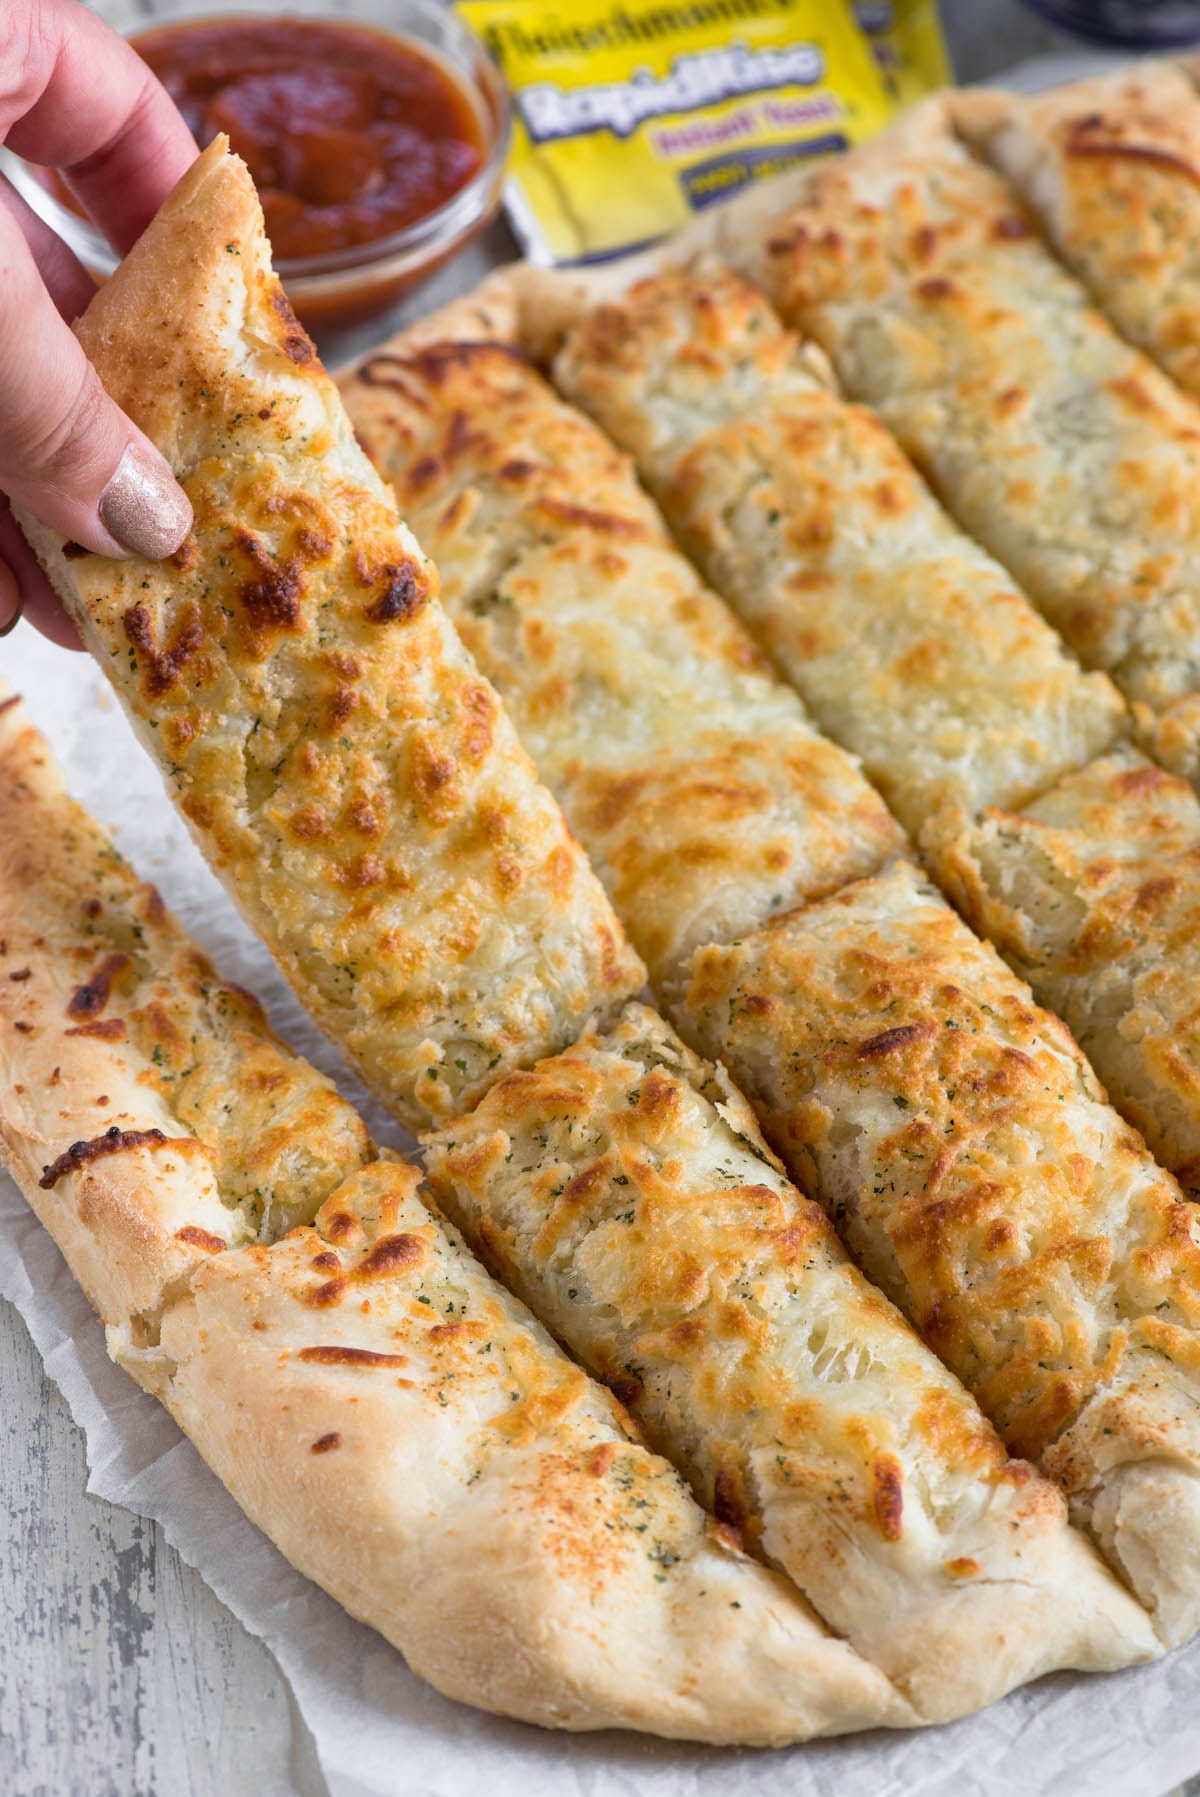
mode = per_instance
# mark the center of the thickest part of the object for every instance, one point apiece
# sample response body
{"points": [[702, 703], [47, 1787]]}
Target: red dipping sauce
{"points": [[350, 134]]}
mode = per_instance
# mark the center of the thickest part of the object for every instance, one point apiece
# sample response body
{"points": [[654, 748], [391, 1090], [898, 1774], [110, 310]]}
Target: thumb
{"points": [[68, 454]]}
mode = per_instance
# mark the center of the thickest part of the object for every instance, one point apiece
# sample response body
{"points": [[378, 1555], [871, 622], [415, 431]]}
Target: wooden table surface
{"points": [[121, 1675]]}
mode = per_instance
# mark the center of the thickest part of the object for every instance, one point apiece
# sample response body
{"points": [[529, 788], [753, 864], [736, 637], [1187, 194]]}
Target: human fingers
{"points": [[68, 454], [75, 96], [25, 591], [64, 277]]}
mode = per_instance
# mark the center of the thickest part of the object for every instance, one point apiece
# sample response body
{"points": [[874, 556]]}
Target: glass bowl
{"points": [[349, 285]]}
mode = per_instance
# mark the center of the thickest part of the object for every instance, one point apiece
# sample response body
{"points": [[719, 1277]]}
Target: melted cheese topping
{"points": [[386, 1412], [1067, 453], [963, 1146], [438, 1464], [1093, 894], [905, 640], [146, 1108], [693, 777], [1172, 737], [1112, 168], [623, 1189], [341, 761]]}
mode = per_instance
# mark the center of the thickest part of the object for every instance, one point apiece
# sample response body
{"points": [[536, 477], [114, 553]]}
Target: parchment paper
{"points": [[380, 1732]]}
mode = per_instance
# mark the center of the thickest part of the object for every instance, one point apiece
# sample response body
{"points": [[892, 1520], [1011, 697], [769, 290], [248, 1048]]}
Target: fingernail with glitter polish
{"points": [[144, 507]]}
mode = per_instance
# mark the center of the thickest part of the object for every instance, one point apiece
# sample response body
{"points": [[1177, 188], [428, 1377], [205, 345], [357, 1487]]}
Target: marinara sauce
{"points": [[350, 134]]}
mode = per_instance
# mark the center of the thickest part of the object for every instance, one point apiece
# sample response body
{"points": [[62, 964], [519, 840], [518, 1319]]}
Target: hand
{"points": [[74, 96]]}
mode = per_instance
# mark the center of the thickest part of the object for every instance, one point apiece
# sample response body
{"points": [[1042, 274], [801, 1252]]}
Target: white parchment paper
{"points": [[380, 1732]]}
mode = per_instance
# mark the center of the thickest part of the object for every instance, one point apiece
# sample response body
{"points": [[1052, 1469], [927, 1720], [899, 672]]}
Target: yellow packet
{"points": [[910, 51], [631, 115]]}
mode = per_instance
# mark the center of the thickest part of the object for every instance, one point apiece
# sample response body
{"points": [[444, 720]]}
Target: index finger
{"points": [[66, 280], [75, 96]]}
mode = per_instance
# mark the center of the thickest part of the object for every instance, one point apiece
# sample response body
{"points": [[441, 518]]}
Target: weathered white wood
{"points": [[121, 1675]]}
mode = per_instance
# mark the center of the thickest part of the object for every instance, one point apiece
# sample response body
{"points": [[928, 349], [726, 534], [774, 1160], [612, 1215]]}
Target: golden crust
{"points": [[1093, 894], [1062, 449], [340, 760], [147, 1112], [406, 1434], [690, 773], [623, 1189], [962, 1144], [905, 639], [1111, 166]]}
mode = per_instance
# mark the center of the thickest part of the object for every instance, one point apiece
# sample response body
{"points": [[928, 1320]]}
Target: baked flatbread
{"points": [[408, 1436], [962, 1145], [1092, 893], [1111, 166], [389, 1416], [146, 1110], [623, 1190], [689, 771], [906, 640], [341, 762], [356, 782], [1064, 450]]}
